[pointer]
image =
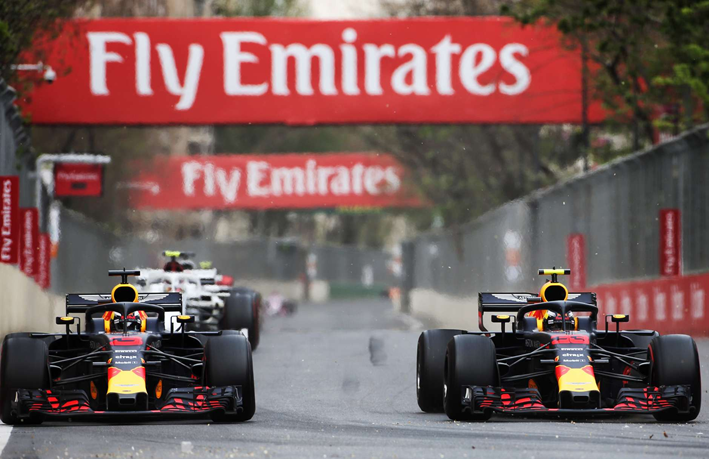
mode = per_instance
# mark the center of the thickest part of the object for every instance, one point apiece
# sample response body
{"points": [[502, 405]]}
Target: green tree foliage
{"points": [[21, 20], [685, 26], [650, 55], [257, 7]]}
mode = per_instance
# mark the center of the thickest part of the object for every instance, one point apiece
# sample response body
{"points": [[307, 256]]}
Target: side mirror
{"points": [[185, 319], [65, 320], [618, 318], [501, 319], [534, 299]]}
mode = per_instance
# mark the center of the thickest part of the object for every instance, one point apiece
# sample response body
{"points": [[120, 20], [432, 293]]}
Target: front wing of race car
{"points": [[191, 401], [528, 402]]}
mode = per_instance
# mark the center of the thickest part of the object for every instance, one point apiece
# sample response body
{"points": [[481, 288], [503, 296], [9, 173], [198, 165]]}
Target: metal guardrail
{"points": [[615, 206]]}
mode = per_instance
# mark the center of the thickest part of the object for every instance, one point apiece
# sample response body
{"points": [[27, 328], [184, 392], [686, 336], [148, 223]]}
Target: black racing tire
{"points": [[430, 357], [471, 360], [228, 363], [242, 310], [24, 364], [675, 361]]}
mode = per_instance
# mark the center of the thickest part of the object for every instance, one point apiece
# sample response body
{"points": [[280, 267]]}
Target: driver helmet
{"points": [[173, 266], [553, 321], [113, 321]]}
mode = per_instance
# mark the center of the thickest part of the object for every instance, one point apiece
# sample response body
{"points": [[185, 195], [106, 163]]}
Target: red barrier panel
{"points": [[238, 71], [9, 218], [29, 241], [44, 260], [669, 305], [78, 179], [270, 181]]}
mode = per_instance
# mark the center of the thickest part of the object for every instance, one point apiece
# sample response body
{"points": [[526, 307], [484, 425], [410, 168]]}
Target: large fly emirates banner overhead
{"points": [[271, 181], [302, 72]]}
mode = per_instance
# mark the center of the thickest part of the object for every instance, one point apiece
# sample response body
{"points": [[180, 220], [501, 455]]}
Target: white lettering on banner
{"points": [[29, 244], [99, 57], [228, 184], [188, 90], [234, 57], [409, 77], [677, 302], [303, 73], [142, 64], [78, 176], [660, 304], [263, 180], [443, 51], [626, 303], [416, 67], [6, 227], [643, 306], [697, 294], [349, 63]]}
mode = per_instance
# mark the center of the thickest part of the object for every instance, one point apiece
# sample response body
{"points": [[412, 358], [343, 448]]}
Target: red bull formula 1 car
{"points": [[550, 357], [125, 362]]}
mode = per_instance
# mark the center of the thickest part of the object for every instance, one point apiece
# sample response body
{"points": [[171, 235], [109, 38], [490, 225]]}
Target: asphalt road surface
{"points": [[337, 381]]}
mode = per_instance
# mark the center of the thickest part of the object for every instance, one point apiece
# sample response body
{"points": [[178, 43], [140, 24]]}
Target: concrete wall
{"points": [[446, 311], [24, 306]]}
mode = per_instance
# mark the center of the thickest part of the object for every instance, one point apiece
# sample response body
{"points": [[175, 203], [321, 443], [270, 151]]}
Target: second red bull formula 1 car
{"points": [[551, 358], [126, 362]]}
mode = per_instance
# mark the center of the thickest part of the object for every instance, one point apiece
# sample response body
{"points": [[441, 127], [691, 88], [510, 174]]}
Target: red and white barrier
{"points": [[669, 305]]}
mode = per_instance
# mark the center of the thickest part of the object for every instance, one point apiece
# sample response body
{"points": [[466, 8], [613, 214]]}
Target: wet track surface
{"points": [[337, 381]]}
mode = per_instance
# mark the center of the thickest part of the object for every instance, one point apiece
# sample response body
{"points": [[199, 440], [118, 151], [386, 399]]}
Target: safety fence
{"points": [[15, 154], [87, 250], [642, 217]]}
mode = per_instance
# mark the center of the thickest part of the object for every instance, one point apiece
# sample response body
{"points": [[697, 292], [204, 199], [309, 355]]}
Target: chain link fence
{"points": [[616, 207], [15, 145], [87, 250]]}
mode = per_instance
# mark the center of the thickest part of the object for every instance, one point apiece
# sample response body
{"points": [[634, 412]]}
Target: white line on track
{"points": [[5, 432]]}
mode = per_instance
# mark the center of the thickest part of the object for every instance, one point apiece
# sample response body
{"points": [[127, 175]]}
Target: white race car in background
{"points": [[207, 295]]}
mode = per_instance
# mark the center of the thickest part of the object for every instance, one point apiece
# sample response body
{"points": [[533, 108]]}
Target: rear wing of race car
{"points": [[512, 302], [79, 302]]}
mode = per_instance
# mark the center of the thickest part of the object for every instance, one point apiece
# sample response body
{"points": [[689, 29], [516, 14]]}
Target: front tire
{"points": [[675, 361], [430, 357], [24, 364], [228, 363], [242, 311], [470, 361]]}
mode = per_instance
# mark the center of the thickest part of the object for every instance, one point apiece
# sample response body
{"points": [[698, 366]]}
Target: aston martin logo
{"points": [[515, 297]]}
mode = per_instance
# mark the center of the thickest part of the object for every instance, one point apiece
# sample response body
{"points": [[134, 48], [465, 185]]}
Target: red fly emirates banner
{"points": [[232, 71], [9, 218], [271, 181]]}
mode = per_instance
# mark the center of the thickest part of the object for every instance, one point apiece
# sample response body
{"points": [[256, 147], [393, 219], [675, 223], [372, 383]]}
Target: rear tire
{"points": [[675, 361], [24, 364], [470, 361], [241, 310], [228, 363], [430, 357]]}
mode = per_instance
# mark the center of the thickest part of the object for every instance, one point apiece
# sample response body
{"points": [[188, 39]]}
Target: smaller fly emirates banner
{"points": [[304, 72], [271, 181]]}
